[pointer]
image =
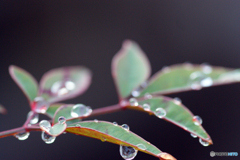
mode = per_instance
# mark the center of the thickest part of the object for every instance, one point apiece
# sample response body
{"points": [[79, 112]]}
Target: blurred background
{"points": [[41, 35]]}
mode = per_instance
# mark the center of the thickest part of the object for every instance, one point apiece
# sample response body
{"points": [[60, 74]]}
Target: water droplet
{"points": [[103, 139], [40, 105], [166, 69], [61, 88], [204, 143], [144, 84], [160, 112], [34, 119], [78, 125], [196, 86], [128, 153], [22, 136], [70, 85], [95, 120], [45, 125], [188, 65], [115, 123], [177, 101], [133, 102], [206, 82], [197, 120], [141, 146], [148, 96], [61, 120], [136, 92], [193, 135], [80, 110], [126, 127], [146, 107], [47, 138], [206, 68]]}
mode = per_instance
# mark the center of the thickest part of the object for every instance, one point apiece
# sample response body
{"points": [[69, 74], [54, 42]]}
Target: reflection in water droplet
{"points": [[22, 136], [146, 107], [148, 96], [177, 101], [197, 120], [133, 102], [45, 125], [193, 135], [160, 112], [141, 146], [115, 123], [204, 143], [34, 119], [47, 138], [126, 127], [206, 82], [206, 68], [61, 120], [40, 105], [80, 110], [127, 153]]}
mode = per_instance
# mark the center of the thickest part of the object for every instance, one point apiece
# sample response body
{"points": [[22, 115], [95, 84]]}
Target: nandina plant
{"points": [[130, 70]]}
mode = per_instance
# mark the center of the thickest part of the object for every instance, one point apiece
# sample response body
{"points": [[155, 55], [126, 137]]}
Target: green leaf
{"points": [[185, 77], [53, 108], [64, 111], [54, 130], [25, 81], [176, 113], [130, 68], [109, 132], [64, 83]]}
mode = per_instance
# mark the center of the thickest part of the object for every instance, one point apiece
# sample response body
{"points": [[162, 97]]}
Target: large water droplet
{"points": [[115, 123], [128, 153], [197, 120], [126, 127], [61, 88], [203, 142], [206, 68], [146, 107], [206, 82], [61, 120], [45, 124], [193, 135], [40, 105], [34, 119], [47, 138], [22, 136], [80, 110], [133, 102], [160, 112], [177, 101], [141, 146]]}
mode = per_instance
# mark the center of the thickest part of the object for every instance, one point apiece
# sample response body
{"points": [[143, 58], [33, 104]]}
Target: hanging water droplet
{"points": [[160, 112], [34, 119], [204, 143], [128, 153], [177, 101], [193, 135], [206, 68], [148, 96], [22, 136], [61, 120], [45, 125], [133, 102], [95, 120], [126, 127], [136, 92], [146, 107], [103, 139], [80, 110], [141, 146], [197, 120], [47, 138], [115, 123], [206, 82], [40, 105]]}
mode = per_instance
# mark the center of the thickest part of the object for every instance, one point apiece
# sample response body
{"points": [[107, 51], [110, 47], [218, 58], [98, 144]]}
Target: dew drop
{"points": [[177, 101], [128, 153], [204, 143], [22, 136], [70, 85], [160, 112], [146, 107], [95, 120], [144, 84], [40, 105], [61, 88], [47, 138], [34, 119], [133, 102], [80, 110], [206, 68], [206, 82], [115, 123], [45, 124], [141, 146], [197, 120], [196, 86], [103, 139], [166, 69], [78, 125], [126, 127], [136, 92], [148, 96], [193, 135], [61, 120]]}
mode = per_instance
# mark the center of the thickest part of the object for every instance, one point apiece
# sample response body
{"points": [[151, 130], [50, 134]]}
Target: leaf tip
{"points": [[166, 156]]}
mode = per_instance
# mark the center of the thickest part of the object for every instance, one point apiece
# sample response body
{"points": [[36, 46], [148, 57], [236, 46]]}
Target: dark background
{"points": [[39, 36]]}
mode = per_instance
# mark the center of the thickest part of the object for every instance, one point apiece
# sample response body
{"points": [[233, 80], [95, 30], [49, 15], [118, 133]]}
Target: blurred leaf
{"points": [[130, 68], [64, 83], [3, 109], [109, 132], [175, 113], [185, 77], [25, 81]]}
